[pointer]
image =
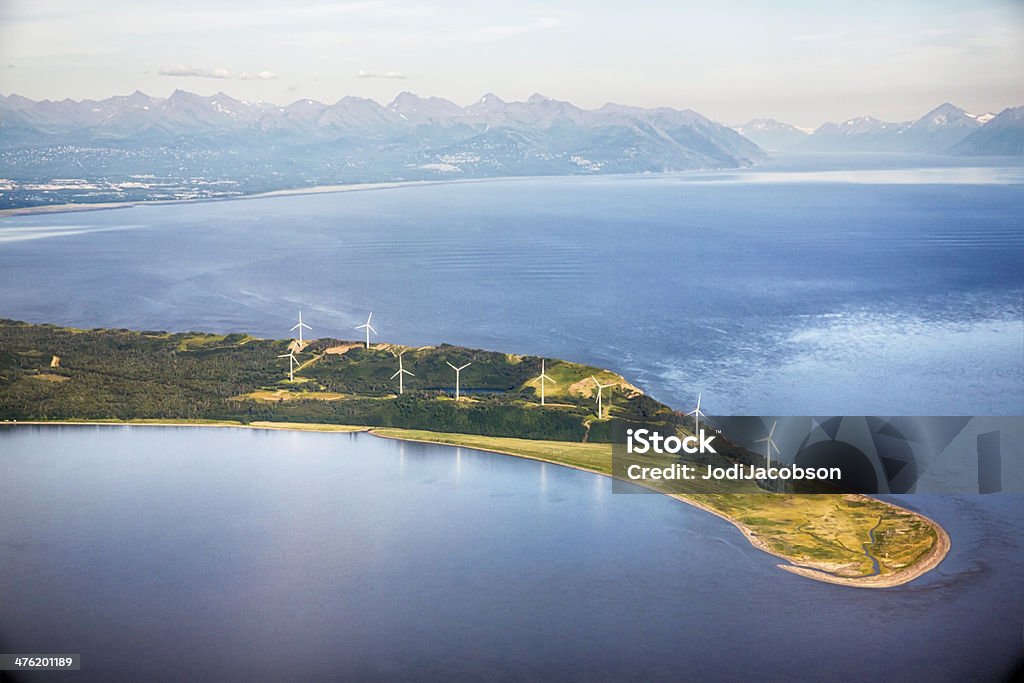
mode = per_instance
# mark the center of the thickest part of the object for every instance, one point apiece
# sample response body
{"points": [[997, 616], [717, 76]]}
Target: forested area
{"points": [[55, 373]]}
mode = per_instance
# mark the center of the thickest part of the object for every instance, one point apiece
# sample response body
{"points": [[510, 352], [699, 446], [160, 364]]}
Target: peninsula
{"points": [[51, 374]]}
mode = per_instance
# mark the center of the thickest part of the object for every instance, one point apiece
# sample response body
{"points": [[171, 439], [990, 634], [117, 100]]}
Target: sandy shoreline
{"points": [[931, 560]]}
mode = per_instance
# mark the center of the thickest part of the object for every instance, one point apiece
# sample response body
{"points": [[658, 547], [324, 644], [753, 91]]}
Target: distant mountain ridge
{"points": [[547, 133], [1001, 136], [937, 132], [940, 131]]}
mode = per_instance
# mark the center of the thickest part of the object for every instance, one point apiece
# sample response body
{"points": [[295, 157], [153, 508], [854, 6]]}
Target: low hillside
{"points": [[125, 374]]}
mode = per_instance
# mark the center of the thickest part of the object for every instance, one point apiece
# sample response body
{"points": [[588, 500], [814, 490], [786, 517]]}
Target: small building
{"points": [[55, 362]]}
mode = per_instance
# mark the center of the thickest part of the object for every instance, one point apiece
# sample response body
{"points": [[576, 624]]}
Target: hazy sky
{"points": [[801, 62]]}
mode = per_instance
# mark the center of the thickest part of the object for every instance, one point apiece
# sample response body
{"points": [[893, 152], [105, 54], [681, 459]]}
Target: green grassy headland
{"points": [[50, 373]]}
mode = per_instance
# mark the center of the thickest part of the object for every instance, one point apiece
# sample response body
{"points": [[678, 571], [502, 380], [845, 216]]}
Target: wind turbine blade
{"points": [[408, 373], [370, 327], [284, 355], [369, 318], [396, 374], [451, 366], [771, 432], [294, 328]]}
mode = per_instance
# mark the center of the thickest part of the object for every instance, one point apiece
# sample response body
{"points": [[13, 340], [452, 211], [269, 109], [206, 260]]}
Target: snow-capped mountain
{"points": [[770, 134], [359, 139], [1002, 135], [934, 133]]}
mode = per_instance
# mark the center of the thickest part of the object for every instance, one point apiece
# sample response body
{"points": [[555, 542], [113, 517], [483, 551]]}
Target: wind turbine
{"points": [[401, 371], [697, 414], [769, 444], [292, 362], [458, 371], [599, 388], [542, 378], [300, 326], [368, 327]]}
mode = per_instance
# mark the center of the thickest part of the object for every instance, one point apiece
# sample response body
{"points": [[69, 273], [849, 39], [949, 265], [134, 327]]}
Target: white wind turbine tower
{"points": [[769, 444], [599, 388], [292, 362], [697, 414], [300, 326], [368, 327], [401, 371], [458, 371], [543, 377]]}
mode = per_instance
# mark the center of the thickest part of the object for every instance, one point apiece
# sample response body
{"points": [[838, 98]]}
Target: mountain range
{"points": [[410, 135], [947, 129], [187, 146]]}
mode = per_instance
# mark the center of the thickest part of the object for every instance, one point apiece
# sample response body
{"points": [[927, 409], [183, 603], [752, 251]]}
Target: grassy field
{"points": [[829, 532], [595, 457], [275, 395]]}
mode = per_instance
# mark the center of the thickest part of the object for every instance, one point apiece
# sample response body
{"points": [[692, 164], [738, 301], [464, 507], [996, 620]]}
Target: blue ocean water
{"points": [[169, 554], [892, 289]]}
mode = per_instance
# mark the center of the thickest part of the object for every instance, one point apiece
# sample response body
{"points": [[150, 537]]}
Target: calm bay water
{"points": [[168, 554], [782, 290]]}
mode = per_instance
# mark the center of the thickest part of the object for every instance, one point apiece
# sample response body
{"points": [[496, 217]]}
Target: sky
{"points": [[799, 62]]}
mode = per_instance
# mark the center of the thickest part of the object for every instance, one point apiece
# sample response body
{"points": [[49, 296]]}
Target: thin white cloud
{"points": [[488, 33], [181, 70], [398, 75]]}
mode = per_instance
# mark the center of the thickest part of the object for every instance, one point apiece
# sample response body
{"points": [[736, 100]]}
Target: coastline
{"points": [[279, 426], [931, 559], [298, 191]]}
